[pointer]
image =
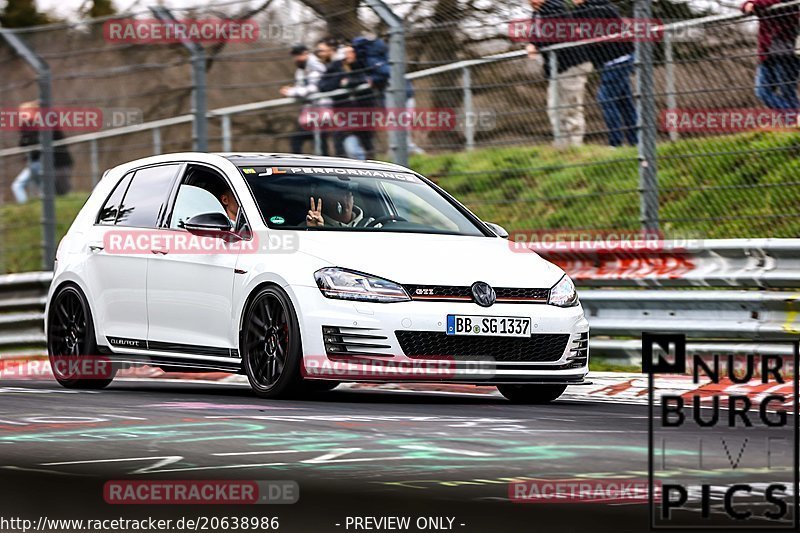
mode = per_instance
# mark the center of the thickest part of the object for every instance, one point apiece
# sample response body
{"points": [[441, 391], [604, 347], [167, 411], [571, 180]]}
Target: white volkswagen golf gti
{"points": [[302, 272]]}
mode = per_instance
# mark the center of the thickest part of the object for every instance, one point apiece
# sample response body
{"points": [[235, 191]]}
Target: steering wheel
{"points": [[385, 218]]}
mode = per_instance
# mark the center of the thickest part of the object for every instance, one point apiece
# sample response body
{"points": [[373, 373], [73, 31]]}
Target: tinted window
{"points": [[108, 214], [146, 196], [354, 199]]}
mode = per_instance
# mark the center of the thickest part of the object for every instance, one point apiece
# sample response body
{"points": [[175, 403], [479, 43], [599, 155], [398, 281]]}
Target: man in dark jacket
{"points": [[777, 72], [573, 71], [614, 60], [349, 73], [309, 70]]}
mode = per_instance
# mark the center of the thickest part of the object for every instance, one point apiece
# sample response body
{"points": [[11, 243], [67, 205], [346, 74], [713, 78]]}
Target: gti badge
{"points": [[483, 294]]}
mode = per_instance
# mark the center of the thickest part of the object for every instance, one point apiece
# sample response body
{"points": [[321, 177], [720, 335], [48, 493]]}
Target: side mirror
{"points": [[497, 228], [210, 225]]}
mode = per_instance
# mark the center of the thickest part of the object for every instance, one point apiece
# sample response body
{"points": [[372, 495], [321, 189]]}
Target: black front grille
{"points": [[438, 292], [544, 347], [521, 293], [461, 293]]}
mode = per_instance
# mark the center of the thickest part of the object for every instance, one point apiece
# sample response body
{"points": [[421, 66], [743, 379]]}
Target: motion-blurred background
{"points": [[709, 184]]}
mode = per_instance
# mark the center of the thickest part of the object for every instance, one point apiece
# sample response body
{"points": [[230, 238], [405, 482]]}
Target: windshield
{"points": [[353, 200]]}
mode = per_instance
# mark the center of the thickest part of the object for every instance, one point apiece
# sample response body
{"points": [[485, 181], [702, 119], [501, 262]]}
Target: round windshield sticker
{"points": [[277, 220]]}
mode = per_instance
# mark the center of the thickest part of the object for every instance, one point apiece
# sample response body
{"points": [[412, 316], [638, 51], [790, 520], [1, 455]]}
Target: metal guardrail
{"points": [[617, 315], [709, 263], [746, 315], [694, 287], [22, 301]]}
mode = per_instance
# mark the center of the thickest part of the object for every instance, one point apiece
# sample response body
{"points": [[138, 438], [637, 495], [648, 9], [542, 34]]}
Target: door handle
{"points": [[96, 247], [160, 252]]}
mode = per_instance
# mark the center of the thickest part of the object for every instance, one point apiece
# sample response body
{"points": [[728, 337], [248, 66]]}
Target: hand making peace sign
{"points": [[314, 216]]}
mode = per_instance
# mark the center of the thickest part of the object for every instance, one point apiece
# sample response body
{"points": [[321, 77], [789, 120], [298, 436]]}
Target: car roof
{"points": [[246, 159], [300, 160]]}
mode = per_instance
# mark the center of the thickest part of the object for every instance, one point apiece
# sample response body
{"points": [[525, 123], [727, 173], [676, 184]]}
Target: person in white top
{"points": [[307, 76]]}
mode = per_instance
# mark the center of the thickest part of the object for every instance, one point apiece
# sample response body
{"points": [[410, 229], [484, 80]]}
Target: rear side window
{"points": [[108, 214], [146, 197]]}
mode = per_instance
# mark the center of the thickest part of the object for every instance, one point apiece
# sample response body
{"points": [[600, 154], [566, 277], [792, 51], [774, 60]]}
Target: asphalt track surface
{"points": [[353, 453]]}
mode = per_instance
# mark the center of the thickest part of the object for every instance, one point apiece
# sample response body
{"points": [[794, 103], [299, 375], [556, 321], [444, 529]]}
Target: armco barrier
{"points": [[22, 301], [728, 263], [727, 289], [732, 290]]}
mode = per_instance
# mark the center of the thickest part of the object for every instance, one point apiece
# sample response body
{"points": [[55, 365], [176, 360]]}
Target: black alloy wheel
{"points": [[71, 343], [270, 344]]}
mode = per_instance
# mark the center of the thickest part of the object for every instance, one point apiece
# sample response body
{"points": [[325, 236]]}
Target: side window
{"points": [[191, 201], [204, 190], [146, 196], [110, 210]]}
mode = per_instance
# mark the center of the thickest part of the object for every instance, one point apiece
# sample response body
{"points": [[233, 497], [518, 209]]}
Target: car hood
{"points": [[431, 259]]}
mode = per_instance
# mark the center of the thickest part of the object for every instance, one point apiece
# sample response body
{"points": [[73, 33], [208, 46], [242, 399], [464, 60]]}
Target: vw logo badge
{"points": [[483, 294]]}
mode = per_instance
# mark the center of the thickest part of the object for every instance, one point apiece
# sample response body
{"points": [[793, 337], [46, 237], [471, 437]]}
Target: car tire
{"points": [[270, 344], [532, 394], [72, 345]]}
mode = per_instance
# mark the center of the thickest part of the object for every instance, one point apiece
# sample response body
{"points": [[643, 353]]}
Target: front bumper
{"points": [[380, 357]]}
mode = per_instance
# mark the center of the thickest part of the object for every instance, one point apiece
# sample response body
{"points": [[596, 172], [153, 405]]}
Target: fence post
{"points": [[398, 140], [46, 141], [227, 144], [469, 110], [94, 163], [200, 129], [317, 142], [554, 111], [669, 71], [646, 113], [198, 60], [156, 141], [3, 193]]}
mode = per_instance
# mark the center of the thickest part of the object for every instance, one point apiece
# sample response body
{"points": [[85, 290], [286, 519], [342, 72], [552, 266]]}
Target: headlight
{"points": [[563, 293], [351, 285]]}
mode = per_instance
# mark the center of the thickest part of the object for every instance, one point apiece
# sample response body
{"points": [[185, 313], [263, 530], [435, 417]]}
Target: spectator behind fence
{"points": [[32, 173], [325, 51], [614, 61], [310, 70], [571, 77], [777, 71], [365, 86], [352, 146]]}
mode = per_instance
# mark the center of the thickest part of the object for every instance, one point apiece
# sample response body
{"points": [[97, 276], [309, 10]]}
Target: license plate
{"points": [[494, 326]]}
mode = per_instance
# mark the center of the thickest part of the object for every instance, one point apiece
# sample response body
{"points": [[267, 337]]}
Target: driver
{"points": [[228, 201], [339, 208]]}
